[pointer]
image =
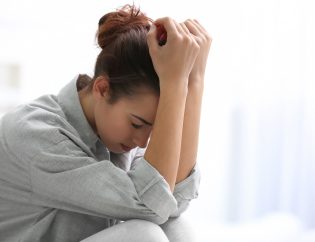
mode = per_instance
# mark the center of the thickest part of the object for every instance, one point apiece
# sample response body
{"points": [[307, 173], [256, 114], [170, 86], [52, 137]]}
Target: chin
{"points": [[116, 150]]}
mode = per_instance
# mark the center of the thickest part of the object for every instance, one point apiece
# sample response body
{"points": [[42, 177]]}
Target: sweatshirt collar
{"points": [[70, 102]]}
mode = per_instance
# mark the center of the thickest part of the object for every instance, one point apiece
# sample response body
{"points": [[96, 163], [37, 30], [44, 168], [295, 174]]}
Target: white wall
{"points": [[257, 135]]}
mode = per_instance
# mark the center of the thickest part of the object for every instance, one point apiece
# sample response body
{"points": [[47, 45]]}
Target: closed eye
{"points": [[136, 126]]}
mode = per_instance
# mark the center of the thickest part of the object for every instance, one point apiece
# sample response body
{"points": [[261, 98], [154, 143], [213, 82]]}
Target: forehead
{"points": [[143, 103]]}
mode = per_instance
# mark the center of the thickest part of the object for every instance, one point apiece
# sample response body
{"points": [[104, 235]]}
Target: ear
{"points": [[101, 87]]}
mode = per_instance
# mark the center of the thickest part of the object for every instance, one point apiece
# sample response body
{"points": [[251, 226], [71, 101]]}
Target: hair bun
{"points": [[122, 20]]}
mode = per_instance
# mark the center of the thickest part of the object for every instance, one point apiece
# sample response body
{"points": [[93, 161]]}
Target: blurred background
{"points": [[257, 147]]}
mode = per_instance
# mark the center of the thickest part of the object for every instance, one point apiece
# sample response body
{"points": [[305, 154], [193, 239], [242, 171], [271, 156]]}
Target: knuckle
{"points": [[179, 38], [183, 39], [187, 38], [197, 46], [168, 19], [208, 37], [199, 40]]}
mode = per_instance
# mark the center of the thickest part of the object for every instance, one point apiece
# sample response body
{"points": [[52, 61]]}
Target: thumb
{"points": [[151, 36]]}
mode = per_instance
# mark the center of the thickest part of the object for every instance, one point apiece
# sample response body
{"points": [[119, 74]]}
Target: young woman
{"points": [[110, 158]]}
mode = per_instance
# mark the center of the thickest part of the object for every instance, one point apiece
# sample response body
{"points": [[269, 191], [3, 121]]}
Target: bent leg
{"points": [[134, 230], [178, 230]]}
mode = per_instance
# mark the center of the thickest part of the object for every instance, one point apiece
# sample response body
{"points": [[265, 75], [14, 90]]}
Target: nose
{"points": [[141, 139]]}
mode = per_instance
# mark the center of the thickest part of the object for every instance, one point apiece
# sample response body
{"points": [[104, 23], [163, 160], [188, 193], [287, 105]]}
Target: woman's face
{"points": [[127, 123]]}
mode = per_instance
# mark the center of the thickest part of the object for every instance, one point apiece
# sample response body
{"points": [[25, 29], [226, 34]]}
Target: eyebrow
{"points": [[141, 119]]}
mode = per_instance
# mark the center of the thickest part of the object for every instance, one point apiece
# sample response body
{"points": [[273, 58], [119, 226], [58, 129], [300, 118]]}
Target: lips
{"points": [[126, 148]]}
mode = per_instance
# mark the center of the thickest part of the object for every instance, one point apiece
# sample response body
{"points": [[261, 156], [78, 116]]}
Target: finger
{"points": [[191, 26], [205, 34], [151, 37], [198, 25], [168, 23], [180, 28], [184, 28], [193, 37]]}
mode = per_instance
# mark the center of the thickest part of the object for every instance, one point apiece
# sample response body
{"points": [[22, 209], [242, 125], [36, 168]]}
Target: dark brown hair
{"points": [[125, 58]]}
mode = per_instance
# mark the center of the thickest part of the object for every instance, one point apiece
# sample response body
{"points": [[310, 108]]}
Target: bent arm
{"points": [[189, 143], [189, 147], [163, 150], [78, 183], [173, 63]]}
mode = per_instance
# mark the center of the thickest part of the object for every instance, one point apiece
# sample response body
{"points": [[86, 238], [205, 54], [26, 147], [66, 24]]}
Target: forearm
{"points": [[190, 134], [163, 151], [190, 138]]}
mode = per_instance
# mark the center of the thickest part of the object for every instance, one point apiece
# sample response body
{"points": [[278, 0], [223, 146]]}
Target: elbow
{"points": [[182, 207], [160, 216]]}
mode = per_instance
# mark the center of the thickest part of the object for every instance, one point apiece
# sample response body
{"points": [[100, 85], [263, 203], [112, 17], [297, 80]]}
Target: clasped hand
{"points": [[183, 58]]}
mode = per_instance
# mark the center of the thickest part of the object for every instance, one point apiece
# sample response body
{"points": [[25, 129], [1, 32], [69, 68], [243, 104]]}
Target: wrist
{"points": [[196, 86], [175, 88], [196, 79]]}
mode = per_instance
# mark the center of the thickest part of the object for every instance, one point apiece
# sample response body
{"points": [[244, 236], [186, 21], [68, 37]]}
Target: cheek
{"points": [[118, 130], [113, 128]]}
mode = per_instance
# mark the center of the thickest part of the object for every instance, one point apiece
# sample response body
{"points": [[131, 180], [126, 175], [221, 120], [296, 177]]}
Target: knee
{"points": [[179, 230], [149, 231]]}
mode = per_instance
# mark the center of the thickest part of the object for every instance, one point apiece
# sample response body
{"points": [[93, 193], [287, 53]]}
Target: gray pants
{"points": [[174, 230]]}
